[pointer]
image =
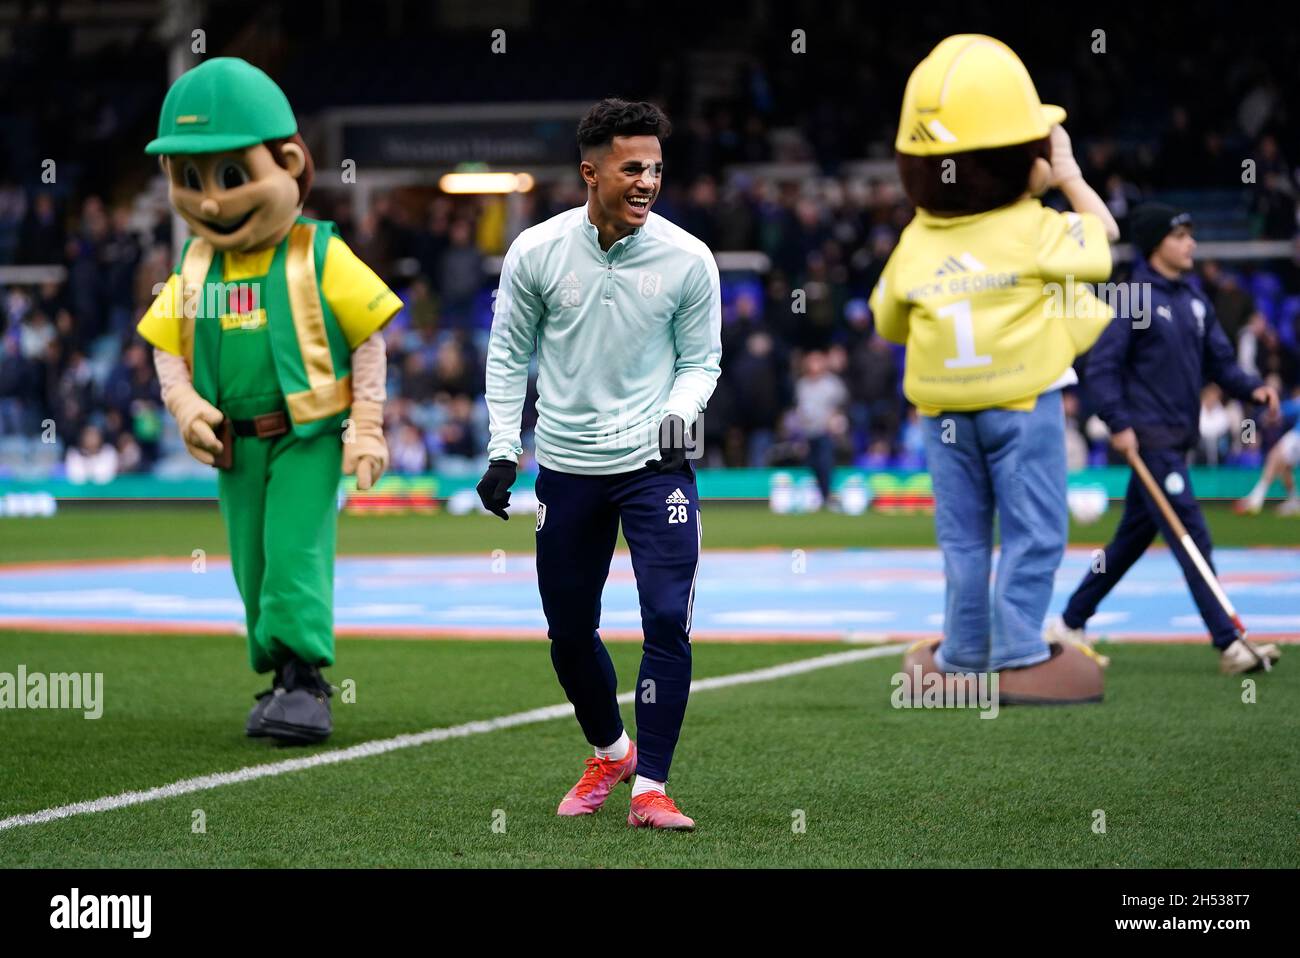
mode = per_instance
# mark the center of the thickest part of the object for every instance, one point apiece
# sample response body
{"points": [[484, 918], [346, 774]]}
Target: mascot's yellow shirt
{"points": [[359, 299], [991, 306]]}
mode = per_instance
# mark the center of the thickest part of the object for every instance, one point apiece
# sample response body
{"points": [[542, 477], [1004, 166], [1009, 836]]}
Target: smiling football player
{"points": [[623, 312]]}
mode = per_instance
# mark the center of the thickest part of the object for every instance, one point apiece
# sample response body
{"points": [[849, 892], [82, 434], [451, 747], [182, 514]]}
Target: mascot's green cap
{"points": [[222, 104]]}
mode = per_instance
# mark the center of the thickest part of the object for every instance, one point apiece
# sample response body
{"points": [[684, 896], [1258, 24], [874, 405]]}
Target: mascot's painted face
{"points": [[237, 200]]}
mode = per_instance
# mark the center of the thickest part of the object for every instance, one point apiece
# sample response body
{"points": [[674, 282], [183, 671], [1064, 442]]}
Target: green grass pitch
{"points": [[1185, 772]]}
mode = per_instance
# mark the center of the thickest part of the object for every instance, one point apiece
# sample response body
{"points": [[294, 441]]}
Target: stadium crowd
{"points": [[794, 384], [804, 376]]}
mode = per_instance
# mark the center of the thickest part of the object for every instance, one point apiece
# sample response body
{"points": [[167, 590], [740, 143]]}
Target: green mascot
{"points": [[269, 355]]}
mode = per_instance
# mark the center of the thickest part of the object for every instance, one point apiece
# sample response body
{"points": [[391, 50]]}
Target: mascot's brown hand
{"points": [[196, 418], [365, 454]]}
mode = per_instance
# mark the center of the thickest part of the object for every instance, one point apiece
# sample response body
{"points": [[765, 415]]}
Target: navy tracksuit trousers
{"points": [[577, 527], [1141, 521]]}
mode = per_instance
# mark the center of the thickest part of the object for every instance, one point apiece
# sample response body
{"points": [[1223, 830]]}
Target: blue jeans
{"points": [[1013, 463]]}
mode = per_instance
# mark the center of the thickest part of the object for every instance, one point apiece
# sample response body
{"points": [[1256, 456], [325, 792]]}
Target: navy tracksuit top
{"points": [[1150, 377]]}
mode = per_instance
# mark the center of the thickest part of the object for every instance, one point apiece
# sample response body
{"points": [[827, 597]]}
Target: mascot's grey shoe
{"points": [[1239, 658], [298, 711], [253, 727]]}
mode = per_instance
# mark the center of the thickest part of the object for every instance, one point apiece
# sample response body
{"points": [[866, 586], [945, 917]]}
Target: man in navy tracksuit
{"points": [[1145, 374]]}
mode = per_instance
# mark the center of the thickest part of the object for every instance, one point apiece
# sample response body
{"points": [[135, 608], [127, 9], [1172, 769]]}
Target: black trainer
{"points": [[298, 711]]}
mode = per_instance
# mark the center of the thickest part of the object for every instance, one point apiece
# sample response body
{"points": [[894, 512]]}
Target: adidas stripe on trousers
{"points": [[578, 518]]}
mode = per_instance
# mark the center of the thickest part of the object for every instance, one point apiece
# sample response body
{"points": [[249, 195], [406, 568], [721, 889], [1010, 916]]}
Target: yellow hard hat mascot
{"points": [[983, 288]]}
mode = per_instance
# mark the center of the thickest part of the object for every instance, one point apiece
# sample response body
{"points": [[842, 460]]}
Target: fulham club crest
{"points": [[649, 283]]}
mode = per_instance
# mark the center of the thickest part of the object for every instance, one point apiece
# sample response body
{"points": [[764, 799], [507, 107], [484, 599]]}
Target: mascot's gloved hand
{"points": [[196, 418], [1064, 166], [365, 454], [494, 488], [672, 445]]}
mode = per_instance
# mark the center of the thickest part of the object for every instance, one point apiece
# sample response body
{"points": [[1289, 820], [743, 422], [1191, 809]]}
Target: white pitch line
{"points": [[380, 746]]}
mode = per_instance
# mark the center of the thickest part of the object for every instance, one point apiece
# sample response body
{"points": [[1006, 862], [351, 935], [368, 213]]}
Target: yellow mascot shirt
{"points": [[360, 300], [991, 306]]}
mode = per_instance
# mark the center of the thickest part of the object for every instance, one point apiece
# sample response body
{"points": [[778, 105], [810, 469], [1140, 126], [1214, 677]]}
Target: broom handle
{"points": [[1158, 495], [1188, 545]]}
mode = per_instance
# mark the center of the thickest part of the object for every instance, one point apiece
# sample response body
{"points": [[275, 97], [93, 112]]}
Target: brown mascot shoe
{"points": [[921, 656], [1072, 676]]}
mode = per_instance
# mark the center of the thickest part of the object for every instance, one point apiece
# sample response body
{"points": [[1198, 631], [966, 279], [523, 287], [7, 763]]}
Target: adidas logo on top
{"points": [[964, 263], [570, 290], [677, 499], [1075, 228]]}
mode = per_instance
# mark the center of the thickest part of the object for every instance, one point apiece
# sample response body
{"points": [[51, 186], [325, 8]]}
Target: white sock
{"points": [[617, 751], [1257, 494], [643, 785], [1294, 497]]}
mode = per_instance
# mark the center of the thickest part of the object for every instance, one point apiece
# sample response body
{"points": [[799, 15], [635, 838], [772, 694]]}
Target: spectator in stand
{"points": [[132, 379], [420, 312], [120, 255], [1076, 446], [41, 234], [74, 393], [90, 460], [1218, 423], [456, 436], [1254, 344], [757, 380], [1232, 304], [820, 398], [18, 391], [460, 276], [455, 370], [433, 242], [418, 379], [872, 379], [407, 451], [130, 458], [700, 216]]}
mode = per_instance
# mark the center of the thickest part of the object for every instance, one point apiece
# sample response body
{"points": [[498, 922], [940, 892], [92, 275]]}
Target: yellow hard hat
{"points": [[971, 93]]}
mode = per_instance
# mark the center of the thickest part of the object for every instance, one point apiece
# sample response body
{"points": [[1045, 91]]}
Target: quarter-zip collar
{"points": [[620, 246]]}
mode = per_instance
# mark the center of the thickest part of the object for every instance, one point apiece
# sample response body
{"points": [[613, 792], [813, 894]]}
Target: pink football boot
{"points": [[597, 782], [656, 810]]}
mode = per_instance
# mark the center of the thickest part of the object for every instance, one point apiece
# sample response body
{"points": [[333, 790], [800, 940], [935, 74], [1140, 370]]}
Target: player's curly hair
{"points": [[613, 117], [977, 180]]}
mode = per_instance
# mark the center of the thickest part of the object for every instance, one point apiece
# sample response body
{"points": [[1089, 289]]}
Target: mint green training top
{"points": [[622, 339]]}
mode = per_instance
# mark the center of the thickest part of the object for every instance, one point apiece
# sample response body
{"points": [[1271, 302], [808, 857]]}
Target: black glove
{"points": [[494, 488], [672, 445]]}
